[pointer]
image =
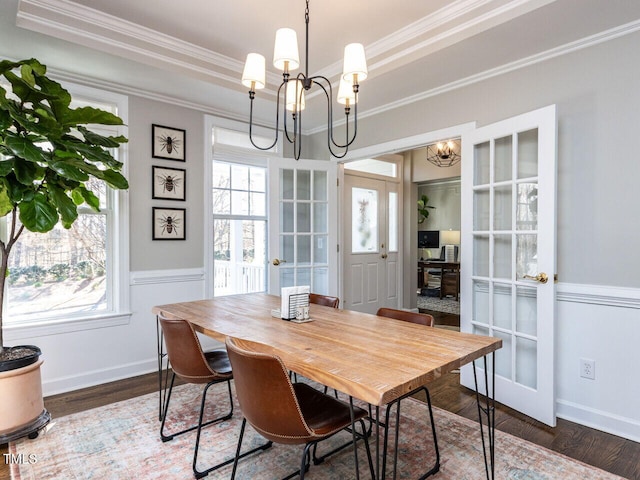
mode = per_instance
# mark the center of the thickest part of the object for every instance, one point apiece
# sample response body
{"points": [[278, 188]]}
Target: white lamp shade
{"points": [[345, 92], [450, 237], [293, 94], [355, 62], [286, 49], [254, 71]]}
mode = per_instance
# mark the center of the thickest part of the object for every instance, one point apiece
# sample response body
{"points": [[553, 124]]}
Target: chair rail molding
{"points": [[599, 295]]}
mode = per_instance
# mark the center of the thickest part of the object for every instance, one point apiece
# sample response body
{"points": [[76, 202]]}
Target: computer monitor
{"points": [[429, 239]]}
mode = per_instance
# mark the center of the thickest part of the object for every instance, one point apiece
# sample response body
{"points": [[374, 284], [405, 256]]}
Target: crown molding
{"points": [[566, 49], [85, 25]]}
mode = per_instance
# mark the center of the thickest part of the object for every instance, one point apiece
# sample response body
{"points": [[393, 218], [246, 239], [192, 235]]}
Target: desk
{"points": [[374, 359], [448, 285]]}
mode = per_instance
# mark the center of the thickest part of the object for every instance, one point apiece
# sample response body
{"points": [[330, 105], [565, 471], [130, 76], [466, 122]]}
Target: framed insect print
{"points": [[168, 143], [169, 183], [169, 223]]}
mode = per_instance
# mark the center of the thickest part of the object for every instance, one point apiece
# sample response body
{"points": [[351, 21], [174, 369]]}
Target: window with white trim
{"points": [[81, 272]]}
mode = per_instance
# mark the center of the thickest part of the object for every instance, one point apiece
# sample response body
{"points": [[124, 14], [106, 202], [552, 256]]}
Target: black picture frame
{"points": [[168, 183], [169, 223], [168, 143]]}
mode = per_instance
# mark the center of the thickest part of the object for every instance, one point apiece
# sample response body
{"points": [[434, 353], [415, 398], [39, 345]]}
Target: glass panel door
{"points": [[507, 297], [301, 233]]}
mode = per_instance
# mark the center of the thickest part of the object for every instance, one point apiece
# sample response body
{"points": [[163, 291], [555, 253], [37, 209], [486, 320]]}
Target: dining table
{"points": [[377, 360]]}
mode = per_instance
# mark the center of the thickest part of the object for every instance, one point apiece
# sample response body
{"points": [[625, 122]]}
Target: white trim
{"points": [[407, 143], [78, 13], [152, 277], [624, 427], [57, 327], [598, 295], [98, 377]]}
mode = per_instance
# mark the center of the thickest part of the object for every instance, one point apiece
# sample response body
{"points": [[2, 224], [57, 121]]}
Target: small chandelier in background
{"points": [[444, 154], [291, 92]]}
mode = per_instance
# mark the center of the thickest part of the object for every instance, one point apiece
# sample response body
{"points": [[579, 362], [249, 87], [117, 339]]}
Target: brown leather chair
{"points": [[406, 316], [325, 300], [285, 412], [428, 321], [192, 365]]}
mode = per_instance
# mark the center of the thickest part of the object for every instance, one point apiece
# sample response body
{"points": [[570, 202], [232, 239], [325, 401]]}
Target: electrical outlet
{"points": [[588, 368]]}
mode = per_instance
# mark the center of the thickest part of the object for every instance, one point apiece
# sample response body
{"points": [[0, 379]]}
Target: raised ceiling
{"points": [[194, 50]]}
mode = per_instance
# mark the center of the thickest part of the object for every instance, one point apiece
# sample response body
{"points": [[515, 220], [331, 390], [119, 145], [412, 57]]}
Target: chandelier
{"points": [[444, 154], [291, 92]]}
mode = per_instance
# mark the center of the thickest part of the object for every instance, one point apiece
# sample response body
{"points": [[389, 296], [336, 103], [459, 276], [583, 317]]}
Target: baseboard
{"points": [[605, 421], [98, 377]]}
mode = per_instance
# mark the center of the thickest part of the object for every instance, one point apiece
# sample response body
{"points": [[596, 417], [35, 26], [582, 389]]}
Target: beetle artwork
{"points": [[169, 223], [169, 183], [168, 143]]}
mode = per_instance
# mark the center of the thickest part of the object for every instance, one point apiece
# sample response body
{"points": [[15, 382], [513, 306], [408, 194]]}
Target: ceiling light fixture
{"points": [[444, 154], [285, 58]]}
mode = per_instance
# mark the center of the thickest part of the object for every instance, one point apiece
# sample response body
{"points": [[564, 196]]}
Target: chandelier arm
{"points": [[275, 141], [330, 139]]}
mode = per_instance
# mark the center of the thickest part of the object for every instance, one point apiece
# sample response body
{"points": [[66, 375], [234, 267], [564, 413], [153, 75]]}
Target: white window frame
{"points": [[117, 245], [230, 154]]}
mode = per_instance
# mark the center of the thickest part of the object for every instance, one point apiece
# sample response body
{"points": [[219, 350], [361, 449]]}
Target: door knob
{"points": [[541, 277], [384, 255], [277, 261]]}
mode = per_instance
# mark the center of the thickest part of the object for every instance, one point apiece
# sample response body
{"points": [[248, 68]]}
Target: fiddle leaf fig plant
{"points": [[48, 154], [423, 208]]}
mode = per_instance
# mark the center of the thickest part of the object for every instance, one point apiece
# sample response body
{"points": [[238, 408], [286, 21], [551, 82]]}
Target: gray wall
{"points": [[147, 254], [598, 99]]}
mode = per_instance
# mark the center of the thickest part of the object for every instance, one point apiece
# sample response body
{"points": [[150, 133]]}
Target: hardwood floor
{"points": [[605, 451]]}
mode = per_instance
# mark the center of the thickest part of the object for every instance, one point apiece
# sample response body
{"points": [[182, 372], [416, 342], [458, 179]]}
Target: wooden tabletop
{"points": [[375, 359]]}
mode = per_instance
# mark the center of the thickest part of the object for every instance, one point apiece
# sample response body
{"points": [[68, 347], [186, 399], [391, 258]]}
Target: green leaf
{"points": [[86, 115], [38, 215], [59, 98], [22, 147], [6, 166], [28, 173], [88, 197], [5, 202], [67, 169], [114, 179], [64, 204], [27, 75], [96, 139]]}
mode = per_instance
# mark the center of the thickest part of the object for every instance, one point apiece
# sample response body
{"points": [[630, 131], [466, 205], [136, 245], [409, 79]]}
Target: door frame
{"points": [[408, 246]]}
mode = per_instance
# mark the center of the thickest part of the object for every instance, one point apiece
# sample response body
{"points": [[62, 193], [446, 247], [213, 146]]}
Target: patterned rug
{"points": [[446, 305], [121, 441]]}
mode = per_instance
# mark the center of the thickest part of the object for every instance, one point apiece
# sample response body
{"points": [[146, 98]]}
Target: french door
{"points": [[303, 225], [509, 226]]}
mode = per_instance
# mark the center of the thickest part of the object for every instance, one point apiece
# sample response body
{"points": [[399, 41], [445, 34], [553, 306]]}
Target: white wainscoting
{"points": [[93, 356], [600, 323]]}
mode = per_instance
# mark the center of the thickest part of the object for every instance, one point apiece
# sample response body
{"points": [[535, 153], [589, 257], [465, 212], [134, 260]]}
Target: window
{"points": [[79, 273], [239, 228]]}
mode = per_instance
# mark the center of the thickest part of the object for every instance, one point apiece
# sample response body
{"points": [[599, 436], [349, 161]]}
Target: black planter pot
{"points": [[23, 361]]}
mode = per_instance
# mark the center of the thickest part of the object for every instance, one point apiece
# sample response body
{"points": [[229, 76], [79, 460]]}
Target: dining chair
{"points": [[325, 300], [192, 365], [286, 412], [427, 321]]}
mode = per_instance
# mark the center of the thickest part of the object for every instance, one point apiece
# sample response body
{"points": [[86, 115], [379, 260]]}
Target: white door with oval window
{"points": [[508, 255], [371, 266]]}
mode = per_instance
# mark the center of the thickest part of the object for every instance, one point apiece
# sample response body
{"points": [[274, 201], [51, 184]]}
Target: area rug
{"points": [[446, 305], [121, 441]]}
